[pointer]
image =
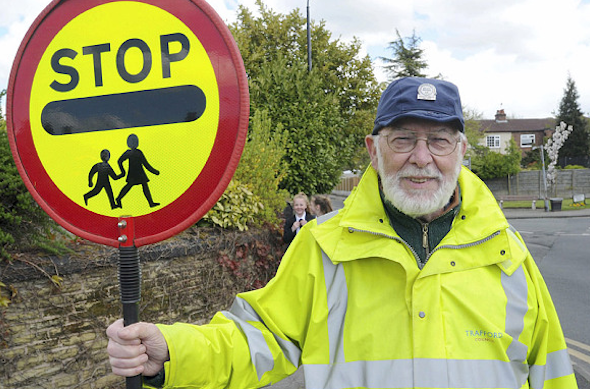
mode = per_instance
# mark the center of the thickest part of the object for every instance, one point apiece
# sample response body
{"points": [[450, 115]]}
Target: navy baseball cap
{"points": [[420, 98]]}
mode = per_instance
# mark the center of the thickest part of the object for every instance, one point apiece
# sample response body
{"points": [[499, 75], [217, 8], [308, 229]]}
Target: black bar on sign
{"points": [[177, 104]]}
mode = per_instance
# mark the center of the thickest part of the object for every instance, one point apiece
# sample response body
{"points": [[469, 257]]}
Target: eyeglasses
{"points": [[440, 143]]}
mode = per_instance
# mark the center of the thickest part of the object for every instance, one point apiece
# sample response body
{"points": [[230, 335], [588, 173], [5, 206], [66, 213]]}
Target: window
{"points": [[527, 140], [493, 141]]}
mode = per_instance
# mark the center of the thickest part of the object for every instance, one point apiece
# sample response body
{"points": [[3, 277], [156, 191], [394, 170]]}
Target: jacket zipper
{"points": [[425, 241], [425, 231]]}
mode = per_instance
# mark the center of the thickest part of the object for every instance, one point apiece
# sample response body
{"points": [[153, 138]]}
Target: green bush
{"points": [[262, 167], [568, 167], [490, 164], [23, 223], [236, 208], [532, 160], [253, 197]]}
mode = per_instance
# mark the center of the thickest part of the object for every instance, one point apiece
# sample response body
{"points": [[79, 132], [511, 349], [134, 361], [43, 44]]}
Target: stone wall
{"points": [[54, 337]]}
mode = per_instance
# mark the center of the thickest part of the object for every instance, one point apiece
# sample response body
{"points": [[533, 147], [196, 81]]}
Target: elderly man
{"points": [[418, 282]]}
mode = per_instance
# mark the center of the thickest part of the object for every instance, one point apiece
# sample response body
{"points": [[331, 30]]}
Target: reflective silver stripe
{"points": [[512, 232], [337, 292], [430, 374], [240, 313], [427, 373], [337, 299], [558, 365], [407, 373], [325, 217], [516, 290], [360, 374]]}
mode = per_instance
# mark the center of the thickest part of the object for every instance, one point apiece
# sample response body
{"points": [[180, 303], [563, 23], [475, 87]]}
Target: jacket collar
{"points": [[359, 228]]}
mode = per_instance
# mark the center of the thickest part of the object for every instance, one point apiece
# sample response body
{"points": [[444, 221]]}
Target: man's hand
{"points": [[136, 349]]}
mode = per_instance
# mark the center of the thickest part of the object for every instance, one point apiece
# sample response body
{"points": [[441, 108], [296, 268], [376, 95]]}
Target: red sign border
{"points": [[209, 185]]}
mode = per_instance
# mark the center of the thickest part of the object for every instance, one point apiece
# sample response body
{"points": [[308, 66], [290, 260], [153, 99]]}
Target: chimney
{"points": [[501, 116]]}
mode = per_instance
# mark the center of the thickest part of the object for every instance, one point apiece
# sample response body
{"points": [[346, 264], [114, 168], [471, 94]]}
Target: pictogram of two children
{"points": [[135, 176]]}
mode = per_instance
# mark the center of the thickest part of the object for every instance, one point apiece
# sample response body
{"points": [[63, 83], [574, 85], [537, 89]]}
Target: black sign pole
{"points": [[129, 282]]}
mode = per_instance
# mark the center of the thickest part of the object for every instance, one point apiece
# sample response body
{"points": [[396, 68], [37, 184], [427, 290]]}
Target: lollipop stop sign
{"points": [[126, 120]]}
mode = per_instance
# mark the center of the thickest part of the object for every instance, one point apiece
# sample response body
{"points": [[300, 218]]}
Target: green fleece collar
{"points": [[412, 230]]}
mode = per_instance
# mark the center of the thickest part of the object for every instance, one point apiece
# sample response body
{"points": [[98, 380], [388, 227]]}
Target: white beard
{"points": [[419, 202]]}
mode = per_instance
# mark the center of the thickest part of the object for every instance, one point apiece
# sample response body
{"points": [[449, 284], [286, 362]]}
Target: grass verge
{"points": [[566, 205]]}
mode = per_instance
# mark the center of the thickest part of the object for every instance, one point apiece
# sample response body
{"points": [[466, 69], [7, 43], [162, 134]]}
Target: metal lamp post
{"points": [[544, 176], [308, 40]]}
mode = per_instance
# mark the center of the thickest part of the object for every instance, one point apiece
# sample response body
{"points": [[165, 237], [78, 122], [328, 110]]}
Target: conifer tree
{"points": [[407, 58], [578, 142]]}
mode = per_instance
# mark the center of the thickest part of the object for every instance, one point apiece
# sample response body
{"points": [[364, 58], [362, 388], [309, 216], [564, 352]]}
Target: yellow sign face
{"points": [[124, 113]]}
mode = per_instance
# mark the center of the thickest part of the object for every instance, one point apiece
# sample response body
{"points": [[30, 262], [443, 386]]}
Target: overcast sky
{"points": [[510, 54]]}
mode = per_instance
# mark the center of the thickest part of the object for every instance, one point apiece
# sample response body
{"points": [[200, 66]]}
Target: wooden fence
{"points": [[526, 183]]}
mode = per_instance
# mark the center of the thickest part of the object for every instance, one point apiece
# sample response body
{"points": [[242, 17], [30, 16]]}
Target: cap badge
{"points": [[427, 92]]}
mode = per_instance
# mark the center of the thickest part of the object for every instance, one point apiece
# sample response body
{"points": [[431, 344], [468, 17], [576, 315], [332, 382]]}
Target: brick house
{"points": [[525, 132]]}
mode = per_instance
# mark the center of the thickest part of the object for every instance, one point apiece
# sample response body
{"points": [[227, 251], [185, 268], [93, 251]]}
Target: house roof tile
{"points": [[517, 125]]}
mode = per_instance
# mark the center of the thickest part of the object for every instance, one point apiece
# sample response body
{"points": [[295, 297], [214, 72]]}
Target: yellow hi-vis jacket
{"points": [[351, 306]]}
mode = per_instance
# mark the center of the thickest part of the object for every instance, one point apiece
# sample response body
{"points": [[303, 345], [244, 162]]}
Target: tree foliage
{"points": [[532, 159], [325, 111], [296, 100], [489, 164], [2, 94], [407, 58], [472, 127], [578, 142]]}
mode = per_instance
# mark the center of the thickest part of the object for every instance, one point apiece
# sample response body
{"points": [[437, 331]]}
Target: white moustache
{"points": [[413, 172]]}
